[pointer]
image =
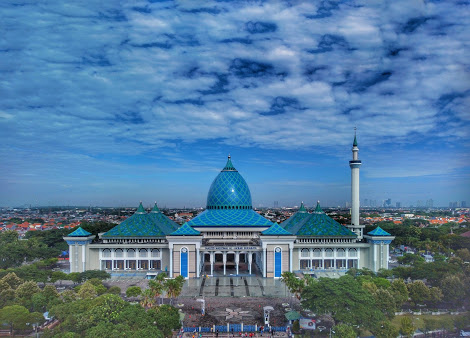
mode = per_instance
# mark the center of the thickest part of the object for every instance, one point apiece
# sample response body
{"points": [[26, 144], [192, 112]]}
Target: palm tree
{"points": [[174, 287], [148, 298], [156, 287]]}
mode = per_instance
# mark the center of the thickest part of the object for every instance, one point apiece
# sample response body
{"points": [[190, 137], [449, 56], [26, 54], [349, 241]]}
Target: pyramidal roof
{"points": [[355, 141], [316, 224], [79, 232], [138, 225], [378, 232], [276, 230], [162, 221], [296, 218], [185, 230]]}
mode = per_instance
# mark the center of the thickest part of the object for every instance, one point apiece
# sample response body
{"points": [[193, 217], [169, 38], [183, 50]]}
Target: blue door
{"points": [[184, 262], [277, 262]]}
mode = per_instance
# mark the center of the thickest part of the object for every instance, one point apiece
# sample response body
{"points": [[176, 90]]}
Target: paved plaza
{"points": [[234, 286]]}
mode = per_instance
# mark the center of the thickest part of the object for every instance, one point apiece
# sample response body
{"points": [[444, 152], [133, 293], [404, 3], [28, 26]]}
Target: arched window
{"points": [[340, 253], [155, 253], [119, 253], [329, 253], [131, 253], [106, 253], [316, 252], [143, 253], [352, 253], [305, 253]]}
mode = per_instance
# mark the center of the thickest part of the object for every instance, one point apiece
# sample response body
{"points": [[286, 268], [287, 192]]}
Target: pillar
{"points": [[265, 261], [198, 262], [290, 258], [171, 262], [225, 262], [237, 260], [250, 260], [212, 263]]}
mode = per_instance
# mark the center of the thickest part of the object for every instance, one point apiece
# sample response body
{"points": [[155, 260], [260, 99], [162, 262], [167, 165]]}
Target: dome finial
{"points": [[229, 165], [355, 140]]}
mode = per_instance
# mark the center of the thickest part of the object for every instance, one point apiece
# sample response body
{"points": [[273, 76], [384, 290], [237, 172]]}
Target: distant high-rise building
{"points": [[453, 204], [387, 202], [398, 204], [276, 204], [366, 202], [429, 203], [463, 204]]}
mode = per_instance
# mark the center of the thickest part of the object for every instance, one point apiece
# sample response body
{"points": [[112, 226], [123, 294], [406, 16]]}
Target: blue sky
{"points": [[113, 102]]}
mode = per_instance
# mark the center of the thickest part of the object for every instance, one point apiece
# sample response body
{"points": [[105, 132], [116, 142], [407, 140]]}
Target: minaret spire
{"points": [[355, 164]]}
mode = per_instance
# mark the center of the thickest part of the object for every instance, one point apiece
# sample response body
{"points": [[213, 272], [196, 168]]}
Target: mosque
{"points": [[230, 238]]}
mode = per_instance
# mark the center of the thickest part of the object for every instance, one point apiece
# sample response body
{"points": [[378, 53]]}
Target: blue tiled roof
{"points": [[378, 232], [162, 221], [79, 232], [229, 190], [185, 230], [276, 230], [229, 217], [138, 225], [317, 224]]}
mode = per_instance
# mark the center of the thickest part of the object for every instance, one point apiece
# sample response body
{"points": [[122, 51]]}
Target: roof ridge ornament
{"points": [[318, 209], [140, 209]]}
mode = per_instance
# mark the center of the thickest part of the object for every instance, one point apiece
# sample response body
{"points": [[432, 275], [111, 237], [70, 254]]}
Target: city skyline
{"points": [[111, 104]]}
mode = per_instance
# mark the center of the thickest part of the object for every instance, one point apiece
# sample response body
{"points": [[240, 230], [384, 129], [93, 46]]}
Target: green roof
{"points": [[317, 224], [292, 315], [138, 225], [378, 232], [79, 232], [296, 218], [185, 230], [162, 221], [276, 230], [355, 141]]}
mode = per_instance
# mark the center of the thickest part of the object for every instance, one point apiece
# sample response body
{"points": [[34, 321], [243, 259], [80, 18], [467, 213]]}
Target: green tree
{"points": [[133, 291], [345, 299], [148, 299], [115, 290], [399, 292], [92, 274], [12, 280], [453, 289], [406, 326], [344, 331], [7, 297], [58, 275], [166, 318], [16, 316], [385, 301], [25, 293], [87, 290], [419, 292], [385, 330]]}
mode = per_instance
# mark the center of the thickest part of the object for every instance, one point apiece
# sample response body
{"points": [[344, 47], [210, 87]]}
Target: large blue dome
{"points": [[229, 190]]}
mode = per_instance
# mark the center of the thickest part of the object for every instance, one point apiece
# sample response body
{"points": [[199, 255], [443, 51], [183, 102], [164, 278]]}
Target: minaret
{"points": [[355, 164]]}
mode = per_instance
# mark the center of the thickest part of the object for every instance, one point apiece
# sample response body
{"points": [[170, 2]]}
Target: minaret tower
{"points": [[355, 164]]}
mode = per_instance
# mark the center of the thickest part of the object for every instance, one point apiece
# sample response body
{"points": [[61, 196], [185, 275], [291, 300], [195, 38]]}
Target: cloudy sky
{"points": [[114, 102]]}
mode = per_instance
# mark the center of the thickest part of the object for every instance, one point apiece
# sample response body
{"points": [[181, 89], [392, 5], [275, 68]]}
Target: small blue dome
{"points": [[229, 190]]}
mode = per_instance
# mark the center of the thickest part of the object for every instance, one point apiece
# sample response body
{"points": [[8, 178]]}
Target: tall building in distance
{"points": [[398, 204], [463, 204], [430, 203]]}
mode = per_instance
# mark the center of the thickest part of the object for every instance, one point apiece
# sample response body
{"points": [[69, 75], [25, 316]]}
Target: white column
{"points": [[225, 262], [290, 257], [265, 261], [83, 257], [212, 263], [250, 260], [237, 260], [198, 262], [171, 262]]}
